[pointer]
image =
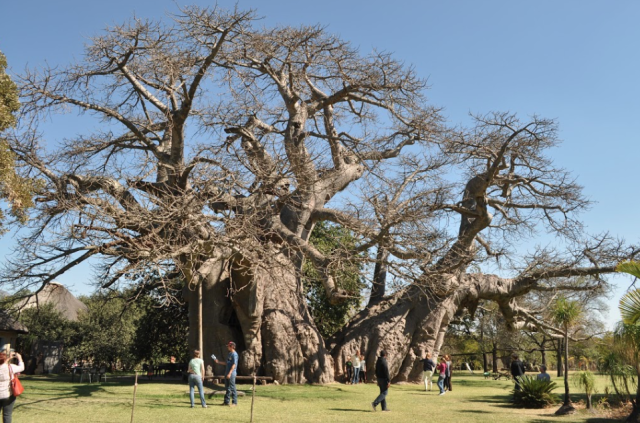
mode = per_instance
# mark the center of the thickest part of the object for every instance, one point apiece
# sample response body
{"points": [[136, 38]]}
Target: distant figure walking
{"points": [[196, 371], [428, 366], [384, 381], [442, 374], [517, 369], [447, 380]]}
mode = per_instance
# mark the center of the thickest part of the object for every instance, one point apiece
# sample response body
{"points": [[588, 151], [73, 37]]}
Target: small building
{"points": [[10, 328], [62, 300], [46, 357]]}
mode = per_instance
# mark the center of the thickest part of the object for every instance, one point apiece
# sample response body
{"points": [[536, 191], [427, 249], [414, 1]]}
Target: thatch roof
{"points": [[62, 300], [8, 323]]}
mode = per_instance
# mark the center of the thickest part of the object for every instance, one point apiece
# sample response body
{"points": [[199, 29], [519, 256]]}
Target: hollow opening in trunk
{"points": [[231, 320]]}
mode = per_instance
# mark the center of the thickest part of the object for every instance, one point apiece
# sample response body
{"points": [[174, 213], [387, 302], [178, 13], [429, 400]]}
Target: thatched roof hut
{"points": [[9, 324], [10, 328], [62, 300]]}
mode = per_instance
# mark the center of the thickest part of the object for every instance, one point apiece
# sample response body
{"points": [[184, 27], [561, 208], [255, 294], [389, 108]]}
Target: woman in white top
{"points": [[6, 398], [363, 369], [356, 367]]}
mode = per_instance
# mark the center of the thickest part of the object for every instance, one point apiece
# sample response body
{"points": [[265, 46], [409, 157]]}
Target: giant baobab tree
{"points": [[217, 147]]}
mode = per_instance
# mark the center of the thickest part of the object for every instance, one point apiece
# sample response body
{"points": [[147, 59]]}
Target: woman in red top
{"points": [[442, 370]]}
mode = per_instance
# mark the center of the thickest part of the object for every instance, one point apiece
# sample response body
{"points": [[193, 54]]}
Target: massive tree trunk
{"points": [[264, 312], [405, 326], [409, 324]]}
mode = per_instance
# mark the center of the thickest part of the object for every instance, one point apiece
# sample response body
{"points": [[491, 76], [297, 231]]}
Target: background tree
{"points": [[45, 324], [329, 318], [566, 314], [161, 331], [14, 189], [630, 302], [106, 333], [586, 380], [221, 146], [624, 365]]}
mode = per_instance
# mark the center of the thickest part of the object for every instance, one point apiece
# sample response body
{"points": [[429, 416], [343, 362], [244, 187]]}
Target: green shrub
{"points": [[534, 393]]}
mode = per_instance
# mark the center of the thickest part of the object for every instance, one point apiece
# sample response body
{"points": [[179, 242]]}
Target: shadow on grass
{"points": [[75, 391], [87, 390], [475, 411], [115, 380], [357, 410], [500, 400], [474, 383], [592, 420]]}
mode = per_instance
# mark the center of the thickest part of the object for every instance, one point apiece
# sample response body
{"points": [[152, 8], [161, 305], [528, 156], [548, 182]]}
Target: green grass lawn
{"points": [[55, 399]]}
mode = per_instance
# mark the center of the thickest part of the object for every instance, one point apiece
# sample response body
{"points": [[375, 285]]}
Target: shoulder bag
{"points": [[16, 386]]}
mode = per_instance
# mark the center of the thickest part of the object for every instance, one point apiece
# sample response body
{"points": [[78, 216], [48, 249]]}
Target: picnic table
{"points": [[91, 373]]}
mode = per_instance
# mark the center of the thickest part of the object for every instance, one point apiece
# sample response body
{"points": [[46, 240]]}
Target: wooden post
{"points": [[200, 346], [135, 386], [253, 391], [253, 394]]}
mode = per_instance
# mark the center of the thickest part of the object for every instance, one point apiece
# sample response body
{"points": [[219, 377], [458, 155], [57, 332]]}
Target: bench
{"points": [[220, 379], [500, 375]]}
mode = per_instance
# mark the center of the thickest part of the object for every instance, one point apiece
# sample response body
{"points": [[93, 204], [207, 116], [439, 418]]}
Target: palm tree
{"points": [[630, 303], [628, 335], [566, 313], [586, 380], [628, 331]]}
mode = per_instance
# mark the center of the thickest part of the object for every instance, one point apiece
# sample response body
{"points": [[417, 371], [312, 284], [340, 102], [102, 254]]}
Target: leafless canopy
{"points": [[210, 139]]}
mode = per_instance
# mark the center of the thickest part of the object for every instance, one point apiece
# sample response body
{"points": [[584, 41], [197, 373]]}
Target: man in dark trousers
{"points": [[382, 373], [517, 369]]}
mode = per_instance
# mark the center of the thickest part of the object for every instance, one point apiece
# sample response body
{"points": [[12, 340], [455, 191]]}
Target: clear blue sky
{"points": [[575, 61]]}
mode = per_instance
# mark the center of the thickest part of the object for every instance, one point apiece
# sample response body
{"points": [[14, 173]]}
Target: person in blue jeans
{"points": [[231, 396], [355, 360], [196, 370], [442, 370]]}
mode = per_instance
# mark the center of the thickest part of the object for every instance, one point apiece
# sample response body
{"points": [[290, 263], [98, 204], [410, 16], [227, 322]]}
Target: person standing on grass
{"points": [[363, 369], [7, 372], [231, 396], [442, 371], [447, 380], [384, 381], [356, 367], [196, 370], [348, 370], [517, 369], [428, 366]]}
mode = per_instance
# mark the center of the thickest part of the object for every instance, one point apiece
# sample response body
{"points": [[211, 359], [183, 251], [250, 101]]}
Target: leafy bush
{"points": [[534, 393]]}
